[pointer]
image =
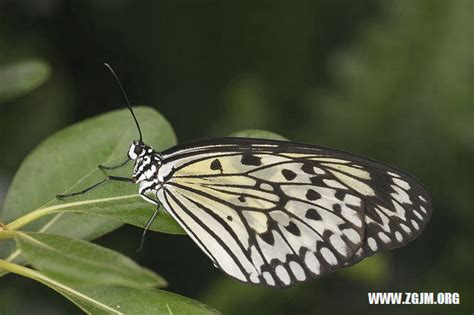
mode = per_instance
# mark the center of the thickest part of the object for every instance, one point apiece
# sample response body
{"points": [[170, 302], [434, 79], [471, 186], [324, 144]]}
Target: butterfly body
{"points": [[279, 213]]}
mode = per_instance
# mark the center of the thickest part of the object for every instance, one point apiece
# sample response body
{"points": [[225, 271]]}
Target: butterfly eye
{"points": [[137, 150]]}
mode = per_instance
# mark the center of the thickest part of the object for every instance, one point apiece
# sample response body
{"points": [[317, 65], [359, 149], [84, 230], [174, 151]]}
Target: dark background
{"points": [[391, 80]]}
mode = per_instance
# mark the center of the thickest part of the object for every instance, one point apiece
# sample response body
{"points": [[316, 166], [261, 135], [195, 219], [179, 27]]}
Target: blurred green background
{"points": [[391, 80]]}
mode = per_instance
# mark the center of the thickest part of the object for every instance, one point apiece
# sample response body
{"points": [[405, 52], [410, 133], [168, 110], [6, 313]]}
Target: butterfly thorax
{"points": [[147, 165]]}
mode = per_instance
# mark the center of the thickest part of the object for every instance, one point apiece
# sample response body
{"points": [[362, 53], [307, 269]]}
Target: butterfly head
{"points": [[138, 149], [147, 161]]}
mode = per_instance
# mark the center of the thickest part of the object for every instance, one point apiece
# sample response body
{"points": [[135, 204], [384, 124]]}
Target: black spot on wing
{"points": [[336, 208], [308, 169], [216, 165], [288, 174], [312, 195], [293, 229], [317, 180], [267, 237], [250, 159], [340, 195], [313, 215]]}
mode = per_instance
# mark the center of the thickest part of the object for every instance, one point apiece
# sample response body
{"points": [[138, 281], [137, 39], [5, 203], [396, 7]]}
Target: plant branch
{"points": [[5, 234]]}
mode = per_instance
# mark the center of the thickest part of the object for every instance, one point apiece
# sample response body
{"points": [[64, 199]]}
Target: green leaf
{"points": [[67, 161], [140, 301], [113, 299], [259, 134], [136, 213], [82, 263], [21, 78]]}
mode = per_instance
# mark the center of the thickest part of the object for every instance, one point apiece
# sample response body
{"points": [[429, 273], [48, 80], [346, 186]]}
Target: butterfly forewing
{"points": [[279, 213]]}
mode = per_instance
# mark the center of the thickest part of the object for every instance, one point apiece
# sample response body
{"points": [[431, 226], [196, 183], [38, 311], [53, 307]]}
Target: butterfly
{"points": [[275, 212]]}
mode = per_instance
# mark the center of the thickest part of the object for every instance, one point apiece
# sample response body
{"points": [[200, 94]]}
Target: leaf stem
{"points": [[20, 270], [29, 217]]}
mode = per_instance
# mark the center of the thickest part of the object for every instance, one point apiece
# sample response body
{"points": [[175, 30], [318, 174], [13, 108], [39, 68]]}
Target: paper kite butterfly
{"points": [[277, 213]]}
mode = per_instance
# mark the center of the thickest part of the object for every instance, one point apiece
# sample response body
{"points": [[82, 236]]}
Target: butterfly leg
{"points": [[150, 221], [103, 167], [106, 179]]}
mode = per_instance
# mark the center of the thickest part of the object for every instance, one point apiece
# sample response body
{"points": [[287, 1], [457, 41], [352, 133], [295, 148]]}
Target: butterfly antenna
{"points": [[126, 98]]}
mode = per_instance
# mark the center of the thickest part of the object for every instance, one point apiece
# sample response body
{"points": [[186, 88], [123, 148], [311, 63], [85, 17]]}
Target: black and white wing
{"points": [[278, 213]]}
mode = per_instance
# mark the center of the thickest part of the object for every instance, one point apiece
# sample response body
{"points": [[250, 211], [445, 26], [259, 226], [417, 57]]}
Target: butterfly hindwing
{"points": [[279, 213]]}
